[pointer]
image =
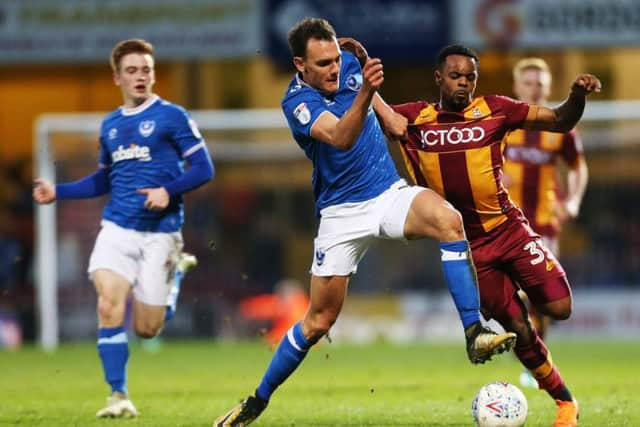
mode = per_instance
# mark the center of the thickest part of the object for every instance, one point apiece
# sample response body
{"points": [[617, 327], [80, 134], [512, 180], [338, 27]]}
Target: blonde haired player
{"points": [[532, 172], [143, 147]]}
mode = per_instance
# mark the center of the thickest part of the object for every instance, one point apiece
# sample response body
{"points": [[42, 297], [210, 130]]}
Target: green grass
{"points": [[190, 383]]}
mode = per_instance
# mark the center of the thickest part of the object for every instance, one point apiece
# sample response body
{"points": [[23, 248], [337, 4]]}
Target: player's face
{"points": [[457, 79], [532, 86], [135, 78], [320, 68]]}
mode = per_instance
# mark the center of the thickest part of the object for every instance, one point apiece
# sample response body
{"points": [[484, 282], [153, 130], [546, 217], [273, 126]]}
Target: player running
{"points": [[454, 147], [143, 145]]}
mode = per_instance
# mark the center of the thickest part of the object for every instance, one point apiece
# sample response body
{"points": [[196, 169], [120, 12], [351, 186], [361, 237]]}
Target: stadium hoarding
{"points": [[56, 31], [545, 23], [602, 312], [391, 29]]}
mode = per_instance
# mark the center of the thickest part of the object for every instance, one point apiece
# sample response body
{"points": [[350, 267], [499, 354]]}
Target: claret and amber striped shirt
{"points": [[459, 155], [531, 159]]}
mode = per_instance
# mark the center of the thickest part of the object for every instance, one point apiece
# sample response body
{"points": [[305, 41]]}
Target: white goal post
{"points": [[46, 274]]}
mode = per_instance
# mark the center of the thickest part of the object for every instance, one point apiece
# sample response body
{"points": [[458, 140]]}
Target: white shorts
{"points": [[347, 230], [147, 260]]}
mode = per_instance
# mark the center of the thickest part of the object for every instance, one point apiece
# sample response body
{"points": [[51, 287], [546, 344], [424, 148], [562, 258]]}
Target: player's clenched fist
{"points": [[372, 73], [43, 191], [585, 84]]}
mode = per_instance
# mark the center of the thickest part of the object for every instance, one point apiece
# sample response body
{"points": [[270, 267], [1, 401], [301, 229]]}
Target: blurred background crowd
{"points": [[252, 228]]}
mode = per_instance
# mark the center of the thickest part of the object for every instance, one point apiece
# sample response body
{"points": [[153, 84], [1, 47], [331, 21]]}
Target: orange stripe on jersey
{"points": [[485, 187], [426, 115], [430, 169], [458, 188]]}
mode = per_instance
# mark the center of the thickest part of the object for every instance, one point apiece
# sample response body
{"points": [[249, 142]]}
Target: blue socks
{"points": [[172, 300], [290, 353], [114, 353], [460, 275]]}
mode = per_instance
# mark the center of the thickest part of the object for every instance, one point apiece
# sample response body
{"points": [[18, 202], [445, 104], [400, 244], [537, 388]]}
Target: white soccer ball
{"points": [[499, 404]]}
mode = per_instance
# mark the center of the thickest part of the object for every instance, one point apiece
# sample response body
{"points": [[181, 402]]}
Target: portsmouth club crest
{"points": [[146, 127], [354, 82]]}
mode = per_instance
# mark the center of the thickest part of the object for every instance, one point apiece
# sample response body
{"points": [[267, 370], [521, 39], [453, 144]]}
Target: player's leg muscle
{"points": [[514, 318], [112, 290], [148, 320], [552, 298], [432, 216], [327, 297]]}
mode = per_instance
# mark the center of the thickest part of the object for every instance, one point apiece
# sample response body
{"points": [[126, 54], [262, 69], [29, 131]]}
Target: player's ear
{"points": [[116, 78], [298, 61], [438, 76]]}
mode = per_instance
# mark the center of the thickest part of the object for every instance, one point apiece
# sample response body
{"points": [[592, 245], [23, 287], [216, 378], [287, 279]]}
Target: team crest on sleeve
{"points": [[302, 113], [146, 127], [194, 129], [354, 82]]}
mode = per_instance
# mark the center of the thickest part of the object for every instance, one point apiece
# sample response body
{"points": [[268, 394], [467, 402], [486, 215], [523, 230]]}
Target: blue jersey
{"points": [[339, 176], [144, 147]]}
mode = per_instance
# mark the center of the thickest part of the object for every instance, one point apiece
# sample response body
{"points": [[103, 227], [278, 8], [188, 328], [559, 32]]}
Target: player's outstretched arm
{"points": [[94, 185], [44, 192], [564, 117]]}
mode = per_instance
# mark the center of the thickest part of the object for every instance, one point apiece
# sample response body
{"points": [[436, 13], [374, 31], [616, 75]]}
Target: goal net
{"points": [[254, 224]]}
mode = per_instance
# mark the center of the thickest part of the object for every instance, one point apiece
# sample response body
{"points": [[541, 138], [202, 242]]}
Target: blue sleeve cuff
{"points": [[200, 171]]}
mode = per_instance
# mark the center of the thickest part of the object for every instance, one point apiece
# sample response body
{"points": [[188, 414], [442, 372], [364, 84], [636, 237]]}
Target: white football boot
{"points": [[118, 406]]}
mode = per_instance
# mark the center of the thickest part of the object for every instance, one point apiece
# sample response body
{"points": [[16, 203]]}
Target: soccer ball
{"points": [[499, 404]]}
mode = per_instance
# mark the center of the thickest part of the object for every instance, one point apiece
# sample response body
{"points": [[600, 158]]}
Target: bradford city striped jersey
{"points": [[458, 155], [530, 169]]}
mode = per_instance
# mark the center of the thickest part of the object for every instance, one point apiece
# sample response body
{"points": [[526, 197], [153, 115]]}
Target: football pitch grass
{"points": [[190, 383]]}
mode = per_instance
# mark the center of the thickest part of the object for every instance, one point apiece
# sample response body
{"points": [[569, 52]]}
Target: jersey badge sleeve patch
{"points": [[354, 82], [302, 113]]}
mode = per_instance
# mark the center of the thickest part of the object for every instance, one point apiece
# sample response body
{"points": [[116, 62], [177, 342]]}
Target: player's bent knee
{"points": [[147, 332], [320, 325], [559, 310], [451, 225], [562, 313], [110, 312], [148, 329]]}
